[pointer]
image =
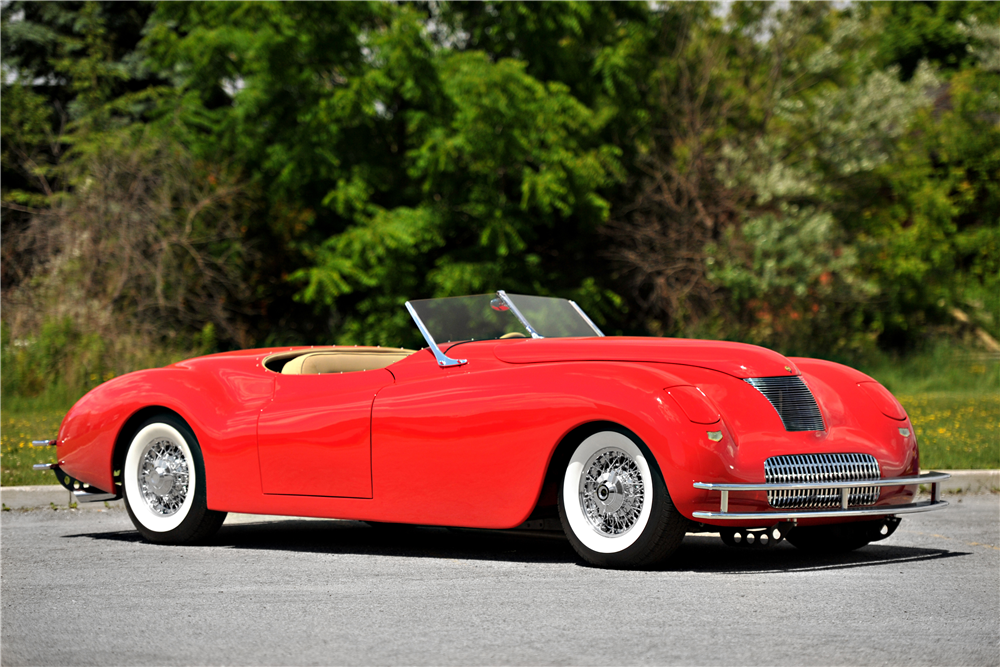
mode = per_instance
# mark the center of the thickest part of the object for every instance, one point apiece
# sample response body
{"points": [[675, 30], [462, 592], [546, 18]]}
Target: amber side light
{"points": [[883, 400], [694, 404]]}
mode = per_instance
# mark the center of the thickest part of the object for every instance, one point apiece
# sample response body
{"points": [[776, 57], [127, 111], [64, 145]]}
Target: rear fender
{"points": [[221, 410]]}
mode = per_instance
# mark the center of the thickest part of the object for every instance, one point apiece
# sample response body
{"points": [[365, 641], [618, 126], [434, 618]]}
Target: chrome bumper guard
{"points": [[80, 495], [932, 478]]}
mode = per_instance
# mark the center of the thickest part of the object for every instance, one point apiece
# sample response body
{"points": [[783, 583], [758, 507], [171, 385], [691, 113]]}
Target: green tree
{"points": [[913, 32], [817, 177], [803, 191], [395, 165], [122, 243]]}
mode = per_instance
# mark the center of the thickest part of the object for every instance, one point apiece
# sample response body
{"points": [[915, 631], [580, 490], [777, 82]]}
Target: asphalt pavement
{"points": [[79, 587]]}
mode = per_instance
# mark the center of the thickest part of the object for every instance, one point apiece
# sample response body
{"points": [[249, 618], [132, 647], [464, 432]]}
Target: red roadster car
{"points": [[519, 408]]}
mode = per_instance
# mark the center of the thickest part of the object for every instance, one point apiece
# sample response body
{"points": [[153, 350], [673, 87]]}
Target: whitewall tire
{"points": [[163, 482], [614, 504]]}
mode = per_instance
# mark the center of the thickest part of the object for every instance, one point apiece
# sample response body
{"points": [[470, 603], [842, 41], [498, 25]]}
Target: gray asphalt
{"points": [[81, 588]]}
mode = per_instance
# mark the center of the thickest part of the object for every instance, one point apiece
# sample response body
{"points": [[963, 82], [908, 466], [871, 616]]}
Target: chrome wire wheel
{"points": [[611, 491], [606, 492], [614, 505], [159, 477], [163, 483], [164, 474]]}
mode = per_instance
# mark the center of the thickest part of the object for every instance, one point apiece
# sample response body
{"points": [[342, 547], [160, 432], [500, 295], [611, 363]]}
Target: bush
{"points": [[64, 361]]}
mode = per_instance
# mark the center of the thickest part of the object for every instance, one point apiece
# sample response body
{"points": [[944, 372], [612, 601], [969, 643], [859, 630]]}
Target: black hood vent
{"points": [[792, 400]]}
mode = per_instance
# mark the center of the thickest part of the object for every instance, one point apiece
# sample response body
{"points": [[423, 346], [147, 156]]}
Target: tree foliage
{"points": [[816, 177]]}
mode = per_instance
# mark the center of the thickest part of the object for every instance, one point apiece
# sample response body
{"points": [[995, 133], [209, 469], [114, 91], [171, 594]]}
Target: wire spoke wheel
{"points": [[163, 482], [611, 491], [614, 505], [163, 476]]}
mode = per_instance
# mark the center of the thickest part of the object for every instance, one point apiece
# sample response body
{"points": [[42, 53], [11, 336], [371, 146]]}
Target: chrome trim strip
{"points": [[43, 443], [88, 497], [886, 510], [517, 313], [442, 359], [45, 466], [926, 478], [587, 319]]}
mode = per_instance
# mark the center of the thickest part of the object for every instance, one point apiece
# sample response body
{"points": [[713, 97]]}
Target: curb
{"points": [[56, 497], [972, 481], [45, 497]]}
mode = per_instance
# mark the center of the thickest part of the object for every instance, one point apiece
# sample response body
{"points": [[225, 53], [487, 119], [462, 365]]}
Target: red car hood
{"points": [[737, 359]]}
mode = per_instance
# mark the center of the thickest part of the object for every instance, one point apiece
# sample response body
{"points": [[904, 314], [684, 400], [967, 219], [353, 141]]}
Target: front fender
{"points": [[472, 448]]}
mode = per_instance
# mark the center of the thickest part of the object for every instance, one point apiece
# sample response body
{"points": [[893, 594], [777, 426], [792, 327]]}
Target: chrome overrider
{"points": [[82, 493], [844, 487]]}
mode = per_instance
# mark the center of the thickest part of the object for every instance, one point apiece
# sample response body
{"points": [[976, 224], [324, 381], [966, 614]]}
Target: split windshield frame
{"points": [[444, 360]]}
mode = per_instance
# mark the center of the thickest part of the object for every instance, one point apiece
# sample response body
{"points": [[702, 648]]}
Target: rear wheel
{"points": [[614, 505], [163, 481]]}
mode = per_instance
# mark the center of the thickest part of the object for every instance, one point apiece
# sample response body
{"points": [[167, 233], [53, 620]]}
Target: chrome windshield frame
{"points": [[586, 319], [442, 359], [517, 313]]}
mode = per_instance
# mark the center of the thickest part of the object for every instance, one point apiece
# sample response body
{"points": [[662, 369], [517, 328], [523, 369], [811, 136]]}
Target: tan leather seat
{"points": [[343, 361]]}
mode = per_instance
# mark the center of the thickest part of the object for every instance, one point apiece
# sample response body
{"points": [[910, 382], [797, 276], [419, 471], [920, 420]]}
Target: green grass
{"points": [[943, 369], [17, 430], [955, 430], [953, 399]]}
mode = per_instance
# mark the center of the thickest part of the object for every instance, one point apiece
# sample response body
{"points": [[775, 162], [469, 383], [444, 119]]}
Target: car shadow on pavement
{"points": [[357, 537], [704, 553], [698, 553]]}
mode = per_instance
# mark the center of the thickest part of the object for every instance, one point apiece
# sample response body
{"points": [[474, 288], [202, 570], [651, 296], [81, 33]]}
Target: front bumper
{"points": [[932, 478]]}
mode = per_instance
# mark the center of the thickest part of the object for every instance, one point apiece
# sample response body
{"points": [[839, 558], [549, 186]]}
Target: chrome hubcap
{"points": [[611, 491], [163, 477]]}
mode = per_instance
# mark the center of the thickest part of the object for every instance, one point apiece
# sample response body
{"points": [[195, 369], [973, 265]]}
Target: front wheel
{"points": [[164, 484], [614, 504]]}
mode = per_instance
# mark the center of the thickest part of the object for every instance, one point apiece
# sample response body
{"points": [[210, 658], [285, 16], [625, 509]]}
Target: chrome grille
{"points": [[792, 400], [821, 468]]}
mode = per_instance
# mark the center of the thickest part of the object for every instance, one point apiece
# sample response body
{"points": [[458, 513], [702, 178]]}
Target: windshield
{"points": [[553, 318], [468, 318], [491, 316]]}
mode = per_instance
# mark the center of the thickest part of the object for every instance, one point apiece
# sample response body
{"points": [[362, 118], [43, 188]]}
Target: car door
{"points": [[314, 437]]}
